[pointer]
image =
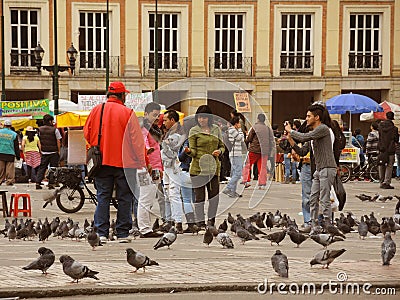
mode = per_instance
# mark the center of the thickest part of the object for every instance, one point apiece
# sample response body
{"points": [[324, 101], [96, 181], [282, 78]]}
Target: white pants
{"points": [[148, 192], [173, 194]]}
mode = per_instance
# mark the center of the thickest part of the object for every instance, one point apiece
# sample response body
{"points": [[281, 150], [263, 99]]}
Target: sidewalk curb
{"points": [[80, 289]]}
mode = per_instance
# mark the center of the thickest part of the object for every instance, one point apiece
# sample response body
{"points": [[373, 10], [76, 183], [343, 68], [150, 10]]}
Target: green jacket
{"points": [[202, 146], [7, 137]]}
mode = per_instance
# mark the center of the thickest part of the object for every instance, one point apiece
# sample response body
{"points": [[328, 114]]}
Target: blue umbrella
{"points": [[353, 103]]}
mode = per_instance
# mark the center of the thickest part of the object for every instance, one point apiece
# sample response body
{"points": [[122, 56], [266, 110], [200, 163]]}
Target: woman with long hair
{"points": [[205, 147], [31, 149]]}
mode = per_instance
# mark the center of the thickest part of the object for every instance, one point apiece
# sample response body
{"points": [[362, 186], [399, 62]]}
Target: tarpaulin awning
{"points": [[387, 106]]}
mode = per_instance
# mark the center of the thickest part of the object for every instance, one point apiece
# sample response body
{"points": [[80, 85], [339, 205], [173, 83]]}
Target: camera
{"points": [[286, 123]]}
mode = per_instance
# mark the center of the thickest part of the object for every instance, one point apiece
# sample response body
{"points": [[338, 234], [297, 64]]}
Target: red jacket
{"points": [[118, 122]]}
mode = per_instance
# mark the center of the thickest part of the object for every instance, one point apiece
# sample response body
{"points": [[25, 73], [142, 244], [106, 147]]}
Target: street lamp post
{"points": [[3, 67], [107, 47], [156, 55], [55, 68]]}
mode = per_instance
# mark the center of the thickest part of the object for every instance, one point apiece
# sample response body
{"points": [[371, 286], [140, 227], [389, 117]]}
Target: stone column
{"points": [[132, 66], [332, 67], [198, 66]]}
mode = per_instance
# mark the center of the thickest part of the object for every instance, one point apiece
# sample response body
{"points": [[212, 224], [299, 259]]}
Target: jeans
{"points": [[105, 180], [187, 192], [148, 191], [385, 171], [236, 172], [201, 183], [398, 165], [321, 192], [289, 165], [47, 159], [306, 181], [173, 194]]}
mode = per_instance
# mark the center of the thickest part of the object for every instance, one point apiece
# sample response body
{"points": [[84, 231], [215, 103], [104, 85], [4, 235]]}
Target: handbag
{"points": [[340, 192], [94, 159]]}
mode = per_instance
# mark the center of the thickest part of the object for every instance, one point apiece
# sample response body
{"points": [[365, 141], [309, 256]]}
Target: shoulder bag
{"points": [[94, 159]]}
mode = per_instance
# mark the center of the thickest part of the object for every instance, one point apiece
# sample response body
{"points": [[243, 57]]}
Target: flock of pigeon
{"points": [[245, 229]]}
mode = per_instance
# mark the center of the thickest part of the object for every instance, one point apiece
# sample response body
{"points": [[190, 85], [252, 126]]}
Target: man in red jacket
{"points": [[122, 149]]}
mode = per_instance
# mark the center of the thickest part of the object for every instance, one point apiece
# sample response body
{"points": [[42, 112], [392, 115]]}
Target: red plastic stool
{"points": [[26, 205]]}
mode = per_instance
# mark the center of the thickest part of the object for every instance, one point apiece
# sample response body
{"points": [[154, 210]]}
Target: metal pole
{"points": [[156, 55], [107, 47], [55, 67], [3, 67]]}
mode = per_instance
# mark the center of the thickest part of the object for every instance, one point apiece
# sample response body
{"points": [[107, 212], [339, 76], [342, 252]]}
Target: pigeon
{"points": [[208, 237], [75, 269], [49, 198], [45, 232], [280, 263], [384, 198], [332, 230], [224, 239], [54, 224], [325, 239], [138, 260], [223, 226], [167, 239], [11, 233], [384, 226], [342, 226], [231, 219], [269, 221], [43, 262], [93, 238], [156, 225], [388, 249], [362, 229], [244, 235], [296, 237], [276, 237], [86, 225], [364, 197], [326, 257]]}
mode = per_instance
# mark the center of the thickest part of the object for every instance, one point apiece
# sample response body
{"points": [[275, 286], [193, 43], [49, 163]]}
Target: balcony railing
{"points": [[94, 66], [297, 64], [230, 67], [365, 63], [22, 62], [169, 65]]}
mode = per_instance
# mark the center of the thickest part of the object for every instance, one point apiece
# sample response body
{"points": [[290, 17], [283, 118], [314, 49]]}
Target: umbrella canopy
{"points": [[353, 103]]}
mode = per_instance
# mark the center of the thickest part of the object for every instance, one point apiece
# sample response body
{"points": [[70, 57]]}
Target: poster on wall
{"points": [[135, 101], [242, 102]]}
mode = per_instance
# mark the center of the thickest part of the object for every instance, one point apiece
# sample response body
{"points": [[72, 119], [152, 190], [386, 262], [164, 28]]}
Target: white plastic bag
{"points": [[334, 200]]}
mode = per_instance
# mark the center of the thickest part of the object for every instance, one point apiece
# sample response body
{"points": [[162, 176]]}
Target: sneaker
{"points": [[103, 239], [386, 186], [151, 234], [262, 186], [124, 240], [237, 195], [228, 193], [50, 186], [246, 184]]}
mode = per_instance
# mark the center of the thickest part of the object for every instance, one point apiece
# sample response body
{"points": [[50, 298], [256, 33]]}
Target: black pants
{"points": [[52, 159], [200, 184]]}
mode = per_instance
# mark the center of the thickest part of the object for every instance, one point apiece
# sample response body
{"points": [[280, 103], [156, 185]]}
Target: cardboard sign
{"points": [[242, 102], [136, 101]]}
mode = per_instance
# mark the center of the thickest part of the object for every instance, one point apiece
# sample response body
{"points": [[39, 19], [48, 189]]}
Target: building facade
{"points": [[286, 54]]}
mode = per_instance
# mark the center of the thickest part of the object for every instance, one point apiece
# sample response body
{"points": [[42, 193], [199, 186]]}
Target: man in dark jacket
{"points": [[50, 141], [9, 150], [388, 136]]}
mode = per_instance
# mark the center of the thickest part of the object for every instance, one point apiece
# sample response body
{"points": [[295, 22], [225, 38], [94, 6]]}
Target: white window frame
{"points": [[287, 52], [384, 11], [316, 34], [183, 28], [227, 65], [164, 52], [102, 38], [248, 28], [30, 50], [114, 22]]}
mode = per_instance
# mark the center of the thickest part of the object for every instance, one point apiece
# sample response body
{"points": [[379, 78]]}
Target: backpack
{"points": [[339, 143]]}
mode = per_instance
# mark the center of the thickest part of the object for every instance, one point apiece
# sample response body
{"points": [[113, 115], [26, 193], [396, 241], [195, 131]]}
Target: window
{"points": [[229, 41], [24, 37], [365, 45], [167, 41], [296, 42], [92, 40]]}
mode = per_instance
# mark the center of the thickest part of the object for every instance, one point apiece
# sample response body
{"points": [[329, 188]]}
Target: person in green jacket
{"points": [[205, 146], [9, 151]]}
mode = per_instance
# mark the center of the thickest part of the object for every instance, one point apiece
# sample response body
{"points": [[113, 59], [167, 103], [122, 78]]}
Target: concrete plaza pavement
{"points": [[191, 266]]}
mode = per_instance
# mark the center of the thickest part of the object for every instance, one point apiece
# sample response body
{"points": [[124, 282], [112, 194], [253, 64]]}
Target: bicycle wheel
{"points": [[374, 173], [70, 200], [344, 172]]}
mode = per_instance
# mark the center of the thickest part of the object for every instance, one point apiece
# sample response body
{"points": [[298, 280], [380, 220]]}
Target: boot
{"points": [[190, 222], [179, 228]]}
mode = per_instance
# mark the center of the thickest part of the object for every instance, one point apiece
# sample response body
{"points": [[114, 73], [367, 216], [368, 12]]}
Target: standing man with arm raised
{"points": [[321, 135]]}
